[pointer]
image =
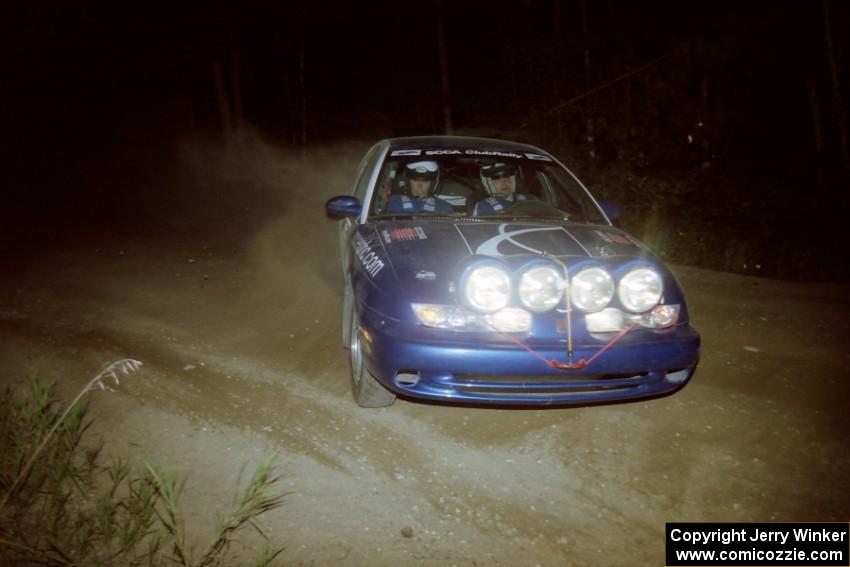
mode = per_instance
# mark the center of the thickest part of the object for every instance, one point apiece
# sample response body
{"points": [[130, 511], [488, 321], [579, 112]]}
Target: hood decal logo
{"points": [[614, 238], [396, 234], [369, 259], [490, 247]]}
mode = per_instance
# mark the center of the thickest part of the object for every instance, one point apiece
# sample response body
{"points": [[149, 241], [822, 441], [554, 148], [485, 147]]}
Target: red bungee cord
{"points": [[570, 365]]}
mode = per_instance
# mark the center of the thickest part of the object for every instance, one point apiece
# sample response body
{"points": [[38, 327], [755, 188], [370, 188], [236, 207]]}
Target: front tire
{"points": [[347, 312], [367, 391]]}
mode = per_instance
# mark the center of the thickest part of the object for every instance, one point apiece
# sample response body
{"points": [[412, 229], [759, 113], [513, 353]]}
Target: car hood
{"points": [[421, 251]]}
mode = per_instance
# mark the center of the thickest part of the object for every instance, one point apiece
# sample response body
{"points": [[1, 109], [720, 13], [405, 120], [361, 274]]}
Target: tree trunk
{"points": [[448, 127], [223, 103], [529, 80], [586, 36], [701, 127], [835, 83], [512, 65], [557, 64], [817, 134], [590, 137], [627, 92], [302, 82], [236, 90]]}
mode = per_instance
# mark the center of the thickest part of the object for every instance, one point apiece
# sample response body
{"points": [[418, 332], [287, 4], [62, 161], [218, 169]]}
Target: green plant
{"points": [[258, 496], [70, 421], [61, 507]]}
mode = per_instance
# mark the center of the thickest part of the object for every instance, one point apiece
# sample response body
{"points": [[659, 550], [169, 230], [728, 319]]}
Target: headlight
{"points": [[592, 289], [661, 317], [640, 290], [459, 318], [605, 321], [486, 288], [510, 320], [539, 288], [441, 316], [611, 319]]}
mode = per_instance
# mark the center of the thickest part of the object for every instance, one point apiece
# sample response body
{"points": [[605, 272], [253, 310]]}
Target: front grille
{"points": [[542, 379], [541, 386], [531, 392]]}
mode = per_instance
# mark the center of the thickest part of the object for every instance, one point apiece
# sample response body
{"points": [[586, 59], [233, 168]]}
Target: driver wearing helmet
{"points": [[500, 180], [419, 179]]}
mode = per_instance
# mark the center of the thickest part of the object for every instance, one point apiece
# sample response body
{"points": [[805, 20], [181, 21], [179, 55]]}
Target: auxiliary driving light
{"points": [[592, 289], [486, 287], [640, 290], [540, 287]]}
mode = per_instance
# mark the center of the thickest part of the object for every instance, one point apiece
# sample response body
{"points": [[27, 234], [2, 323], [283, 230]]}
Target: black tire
{"points": [[367, 391], [347, 312]]}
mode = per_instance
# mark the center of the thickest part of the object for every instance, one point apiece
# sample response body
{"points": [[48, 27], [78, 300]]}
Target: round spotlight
{"points": [[486, 287], [640, 290], [591, 289], [538, 288]]}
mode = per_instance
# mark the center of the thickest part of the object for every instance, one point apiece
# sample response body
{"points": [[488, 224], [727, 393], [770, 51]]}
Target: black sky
{"points": [[96, 61]]}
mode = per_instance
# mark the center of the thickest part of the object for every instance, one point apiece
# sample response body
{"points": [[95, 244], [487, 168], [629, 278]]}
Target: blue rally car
{"points": [[482, 271]]}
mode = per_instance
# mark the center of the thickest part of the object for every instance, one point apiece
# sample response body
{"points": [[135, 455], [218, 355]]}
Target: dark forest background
{"points": [[721, 128]]}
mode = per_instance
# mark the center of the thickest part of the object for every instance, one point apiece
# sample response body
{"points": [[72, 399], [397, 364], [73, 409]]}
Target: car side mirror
{"points": [[611, 209], [343, 206]]}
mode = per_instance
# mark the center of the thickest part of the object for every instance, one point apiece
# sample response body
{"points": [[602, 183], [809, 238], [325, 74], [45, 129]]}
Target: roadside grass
{"points": [[61, 506]]}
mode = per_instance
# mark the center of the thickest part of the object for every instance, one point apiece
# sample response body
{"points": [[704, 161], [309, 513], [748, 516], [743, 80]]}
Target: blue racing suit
{"points": [[498, 204], [406, 204]]}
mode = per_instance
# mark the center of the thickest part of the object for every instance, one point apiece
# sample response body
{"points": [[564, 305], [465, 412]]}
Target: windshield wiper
{"points": [[394, 216], [535, 218], [406, 216]]}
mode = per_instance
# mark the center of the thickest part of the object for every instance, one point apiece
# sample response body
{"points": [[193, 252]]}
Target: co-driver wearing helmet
{"points": [[500, 180], [421, 179]]}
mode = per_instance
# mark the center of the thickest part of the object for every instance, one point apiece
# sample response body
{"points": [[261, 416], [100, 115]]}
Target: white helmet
{"points": [[496, 171], [424, 171]]}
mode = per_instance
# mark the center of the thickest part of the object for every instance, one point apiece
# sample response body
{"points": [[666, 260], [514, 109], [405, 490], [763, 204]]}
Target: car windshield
{"points": [[527, 186]]}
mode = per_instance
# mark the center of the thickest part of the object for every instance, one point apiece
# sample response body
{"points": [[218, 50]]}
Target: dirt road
{"points": [[227, 288]]}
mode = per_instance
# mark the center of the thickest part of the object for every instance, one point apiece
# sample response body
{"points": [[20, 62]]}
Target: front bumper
{"points": [[643, 363]]}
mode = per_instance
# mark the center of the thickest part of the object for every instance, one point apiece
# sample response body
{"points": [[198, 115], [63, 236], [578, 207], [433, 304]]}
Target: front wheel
{"points": [[367, 391], [347, 312]]}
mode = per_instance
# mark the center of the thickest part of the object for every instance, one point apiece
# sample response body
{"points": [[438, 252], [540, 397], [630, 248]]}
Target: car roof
{"points": [[459, 143]]}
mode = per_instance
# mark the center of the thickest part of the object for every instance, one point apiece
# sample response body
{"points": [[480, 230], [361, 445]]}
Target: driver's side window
{"points": [[385, 187]]}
